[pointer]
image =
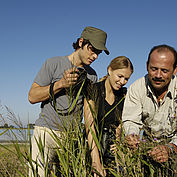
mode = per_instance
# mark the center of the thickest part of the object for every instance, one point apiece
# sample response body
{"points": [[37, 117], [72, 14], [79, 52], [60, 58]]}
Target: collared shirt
{"points": [[142, 111]]}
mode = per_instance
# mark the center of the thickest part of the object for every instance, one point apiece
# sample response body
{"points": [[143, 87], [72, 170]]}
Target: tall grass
{"points": [[137, 162], [73, 155]]}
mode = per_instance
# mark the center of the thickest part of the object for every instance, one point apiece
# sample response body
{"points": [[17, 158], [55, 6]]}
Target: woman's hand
{"points": [[98, 168], [118, 133]]}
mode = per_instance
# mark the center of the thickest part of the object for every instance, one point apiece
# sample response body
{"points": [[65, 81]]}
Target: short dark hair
{"points": [[164, 47], [76, 44]]}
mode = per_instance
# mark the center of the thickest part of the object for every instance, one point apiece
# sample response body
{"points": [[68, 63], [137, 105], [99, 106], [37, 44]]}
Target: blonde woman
{"points": [[103, 110]]}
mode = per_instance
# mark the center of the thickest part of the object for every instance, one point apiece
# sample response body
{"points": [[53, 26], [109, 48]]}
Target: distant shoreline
{"points": [[15, 135], [16, 128], [12, 142]]}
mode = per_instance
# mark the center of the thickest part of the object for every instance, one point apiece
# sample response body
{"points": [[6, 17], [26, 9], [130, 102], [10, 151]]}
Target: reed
{"points": [[73, 155]]}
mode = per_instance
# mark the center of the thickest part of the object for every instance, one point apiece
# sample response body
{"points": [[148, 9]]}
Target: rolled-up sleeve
{"points": [[132, 110], [174, 139]]}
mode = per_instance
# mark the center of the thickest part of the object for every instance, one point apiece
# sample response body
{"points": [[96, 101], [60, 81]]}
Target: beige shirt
{"points": [[141, 110]]}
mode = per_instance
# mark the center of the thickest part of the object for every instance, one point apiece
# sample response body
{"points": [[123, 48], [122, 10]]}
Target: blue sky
{"points": [[34, 30]]}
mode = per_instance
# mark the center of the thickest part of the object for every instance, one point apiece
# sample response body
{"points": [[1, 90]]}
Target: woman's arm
{"points": [[90, 131]]}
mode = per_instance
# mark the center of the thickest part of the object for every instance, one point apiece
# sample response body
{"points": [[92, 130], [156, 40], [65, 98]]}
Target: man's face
{"points": [[160, 69], [88, 54]]}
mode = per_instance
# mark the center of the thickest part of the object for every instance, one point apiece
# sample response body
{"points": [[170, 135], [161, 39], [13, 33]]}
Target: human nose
{"points": [[158, 73], [122, 81]]}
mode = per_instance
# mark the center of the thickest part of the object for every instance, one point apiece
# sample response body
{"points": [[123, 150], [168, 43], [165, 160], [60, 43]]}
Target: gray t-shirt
{"points": [[52, 70]]}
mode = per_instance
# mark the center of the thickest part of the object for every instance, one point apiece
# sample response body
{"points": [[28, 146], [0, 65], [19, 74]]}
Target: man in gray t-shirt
{"points": [[57, 76], [52, 71]]}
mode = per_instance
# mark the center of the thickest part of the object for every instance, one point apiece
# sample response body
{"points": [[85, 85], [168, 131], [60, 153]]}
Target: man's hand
{"points": [[132, 141], [159, 153], [70, 77]]}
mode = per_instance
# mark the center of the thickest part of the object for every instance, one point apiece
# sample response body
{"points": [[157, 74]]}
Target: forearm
{"points": [[132, 111], [92, 141], [95, 155], [93, 147], [91, 133], [39, 93], [131, 128], [90, 129]]}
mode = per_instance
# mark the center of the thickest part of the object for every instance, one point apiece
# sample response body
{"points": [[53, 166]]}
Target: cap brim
{"points": [[106, 51], [99, 46]]}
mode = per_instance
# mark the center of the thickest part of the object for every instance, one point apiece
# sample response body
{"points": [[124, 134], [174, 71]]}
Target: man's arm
{"points": [[39, 93], [132, 111]]}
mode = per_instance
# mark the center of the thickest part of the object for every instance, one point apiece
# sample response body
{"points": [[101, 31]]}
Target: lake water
{"points": [[15, 134]]}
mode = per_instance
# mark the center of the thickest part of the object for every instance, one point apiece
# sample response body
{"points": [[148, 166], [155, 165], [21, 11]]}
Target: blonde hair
{"points": [[119, 62]]}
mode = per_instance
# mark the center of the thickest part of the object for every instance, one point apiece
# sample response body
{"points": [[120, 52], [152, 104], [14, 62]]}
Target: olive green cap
{"points": [[96, 37]]}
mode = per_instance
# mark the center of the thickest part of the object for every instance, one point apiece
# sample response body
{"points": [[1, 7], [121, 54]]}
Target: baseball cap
{"points": [[96, 37]]}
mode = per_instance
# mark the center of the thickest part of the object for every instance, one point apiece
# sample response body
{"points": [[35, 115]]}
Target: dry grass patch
{"points": [[10, 164]]}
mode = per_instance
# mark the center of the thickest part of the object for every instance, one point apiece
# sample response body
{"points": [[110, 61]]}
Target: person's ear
{"points": [[109, 71], [147, 65], [80, 42], [175, 70]]}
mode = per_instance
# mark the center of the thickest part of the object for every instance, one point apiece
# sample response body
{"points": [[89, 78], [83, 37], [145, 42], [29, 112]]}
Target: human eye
{"points": [[153, 68], [126, 79], [90, 48], [96, 51], [164, 70], [120, 76]]}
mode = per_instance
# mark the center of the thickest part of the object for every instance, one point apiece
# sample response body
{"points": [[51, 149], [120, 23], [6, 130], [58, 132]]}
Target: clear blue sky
{"points": [[34, 30]]}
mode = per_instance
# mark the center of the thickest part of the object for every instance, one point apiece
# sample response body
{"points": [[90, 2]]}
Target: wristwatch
{"points": [[172, 148]]}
